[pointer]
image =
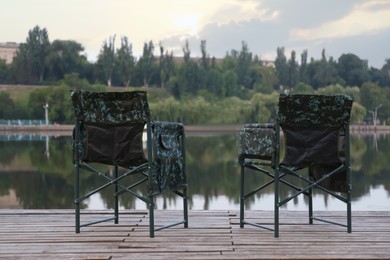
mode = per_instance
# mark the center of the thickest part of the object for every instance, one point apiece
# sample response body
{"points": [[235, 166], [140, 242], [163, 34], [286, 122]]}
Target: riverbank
{"points": [[66, 130], [212, 128]]}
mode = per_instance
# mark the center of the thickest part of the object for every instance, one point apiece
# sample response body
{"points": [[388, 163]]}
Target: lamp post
{"points": [[375, 113], [46, 107]]}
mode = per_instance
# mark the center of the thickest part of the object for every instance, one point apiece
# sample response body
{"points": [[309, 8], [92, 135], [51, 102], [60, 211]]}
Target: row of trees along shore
{"points": [[235, 89]]}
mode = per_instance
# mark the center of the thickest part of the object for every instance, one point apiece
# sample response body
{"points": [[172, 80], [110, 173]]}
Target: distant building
{"points": [[8, 51]]}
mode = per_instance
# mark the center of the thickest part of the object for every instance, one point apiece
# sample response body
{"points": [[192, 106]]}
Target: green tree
{"points": [[293, 70], [376, 98], [214, 82], [4, 71], [353, 92], [7, 106], [30, 61], [326, 72], [186, 52], [147, 64], [381, 76], [167, 66], [358, 113], [60, 109], [243, 67], [20, 67], [64, 57], [263, 107], [38, 46], [188, 78], [281, 67], [353, 70], [125, 61], [302, 88], [303, 68], [334, 89], [371, 95], [268, 79], [205, 60], [58, 99], [73, 81], [384, 111], [37, 99], [107, 59], [230, 84], [204, 68]]}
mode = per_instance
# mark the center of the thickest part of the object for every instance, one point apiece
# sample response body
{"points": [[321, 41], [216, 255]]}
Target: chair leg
{"points": [[116, 206], [242, 196], [276, 202], [349, 217], [310, 206], [185, 207], [151, 216], [349, 208], [77, 195], [349, 191]]}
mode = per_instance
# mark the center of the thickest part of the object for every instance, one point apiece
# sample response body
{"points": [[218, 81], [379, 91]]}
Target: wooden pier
{"points": [[49, 234]]}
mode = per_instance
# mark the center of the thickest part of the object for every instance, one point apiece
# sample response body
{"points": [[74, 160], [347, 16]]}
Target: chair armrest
{"points": [[257, 141], [171, 126]]}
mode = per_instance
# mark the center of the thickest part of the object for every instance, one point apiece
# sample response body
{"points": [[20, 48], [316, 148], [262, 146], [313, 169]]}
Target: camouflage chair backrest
{"points": [[314, 110], [169, 171], [110, 107], [111, 126], [312, 125]]}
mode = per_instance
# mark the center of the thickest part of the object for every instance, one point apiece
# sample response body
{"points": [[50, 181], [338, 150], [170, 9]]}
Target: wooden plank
{"points": [[49, 234]]}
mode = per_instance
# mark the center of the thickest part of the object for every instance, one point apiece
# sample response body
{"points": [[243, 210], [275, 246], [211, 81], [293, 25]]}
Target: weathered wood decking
{"points": [[49, 234]]}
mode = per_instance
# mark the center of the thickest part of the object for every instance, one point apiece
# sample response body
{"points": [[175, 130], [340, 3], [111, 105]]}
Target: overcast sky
{"points": [[361, 27]]}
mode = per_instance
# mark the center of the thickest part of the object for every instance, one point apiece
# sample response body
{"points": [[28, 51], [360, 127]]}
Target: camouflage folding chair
{"points": [[316, 151], [109, 130]]}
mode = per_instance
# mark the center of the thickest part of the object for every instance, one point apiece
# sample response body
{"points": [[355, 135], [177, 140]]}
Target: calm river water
{"points": [[36, 172]]}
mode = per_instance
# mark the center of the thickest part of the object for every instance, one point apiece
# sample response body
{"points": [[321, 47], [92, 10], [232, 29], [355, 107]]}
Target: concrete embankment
{"points": [[67, 129], [369, 129]]}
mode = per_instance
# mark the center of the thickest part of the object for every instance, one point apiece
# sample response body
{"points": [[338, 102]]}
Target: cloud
{"points": [[314, 26], [263, 24], [367, 18]]}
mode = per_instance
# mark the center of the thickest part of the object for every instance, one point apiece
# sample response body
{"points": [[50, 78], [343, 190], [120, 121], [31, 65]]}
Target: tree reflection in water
{"points": [[39, 181]]}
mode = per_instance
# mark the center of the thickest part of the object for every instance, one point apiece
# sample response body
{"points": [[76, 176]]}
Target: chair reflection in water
{"points": [[108, 130], [315, 131]]}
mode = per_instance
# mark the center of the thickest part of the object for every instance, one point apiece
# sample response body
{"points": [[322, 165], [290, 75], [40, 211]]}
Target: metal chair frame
{"points": [[146, 170], [268, 154]]}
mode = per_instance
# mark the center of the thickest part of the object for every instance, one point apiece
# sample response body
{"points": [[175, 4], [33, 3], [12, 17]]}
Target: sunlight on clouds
{"points": [[187, 18], [190, 16], [190, 24], [237, 11], [369, 17]]}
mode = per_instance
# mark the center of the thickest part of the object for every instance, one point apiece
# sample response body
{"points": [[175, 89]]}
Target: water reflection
{"points": [[36, 172]]}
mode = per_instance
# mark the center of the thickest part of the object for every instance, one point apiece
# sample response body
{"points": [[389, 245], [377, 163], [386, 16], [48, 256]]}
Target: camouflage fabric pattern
{"points": [[107, 108], [80, 146], [257, 141], [110, 107], [169, 165], [314, 110]]}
